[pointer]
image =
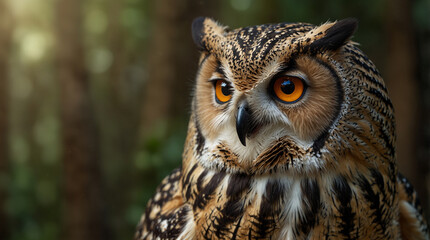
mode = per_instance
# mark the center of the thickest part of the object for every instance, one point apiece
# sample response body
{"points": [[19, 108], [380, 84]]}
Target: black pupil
{"points": [[225, 89], [287, 86]]}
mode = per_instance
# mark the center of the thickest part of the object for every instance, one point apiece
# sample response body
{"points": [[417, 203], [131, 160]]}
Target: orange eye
{"points": [[288, 89], [222, 91]]}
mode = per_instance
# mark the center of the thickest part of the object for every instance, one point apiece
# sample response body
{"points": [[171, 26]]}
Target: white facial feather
{"points": [[264, 109]]}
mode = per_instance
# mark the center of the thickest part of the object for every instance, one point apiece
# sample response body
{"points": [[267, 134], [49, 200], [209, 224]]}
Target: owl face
{"points": [[271, 97]]}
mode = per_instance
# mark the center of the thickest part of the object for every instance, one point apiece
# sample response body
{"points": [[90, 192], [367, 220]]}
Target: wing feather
{"points": [[165, 214], [411, 220]]}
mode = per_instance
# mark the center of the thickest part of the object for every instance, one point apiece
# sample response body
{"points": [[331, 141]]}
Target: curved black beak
{"points": [[243, 122]]}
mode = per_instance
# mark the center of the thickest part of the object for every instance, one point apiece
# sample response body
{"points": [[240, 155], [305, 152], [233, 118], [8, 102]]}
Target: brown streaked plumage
{"points": [[291, 136]]}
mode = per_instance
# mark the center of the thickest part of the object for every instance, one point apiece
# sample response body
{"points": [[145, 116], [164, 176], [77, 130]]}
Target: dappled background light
{"points": [[135, 63]]}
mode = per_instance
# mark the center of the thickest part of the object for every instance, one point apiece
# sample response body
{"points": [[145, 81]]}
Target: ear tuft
{"points": [[197, 29], [207, 33], [337, 35]]}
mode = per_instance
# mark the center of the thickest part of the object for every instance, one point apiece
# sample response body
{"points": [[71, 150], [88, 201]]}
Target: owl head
{"points": [[288, 98]]}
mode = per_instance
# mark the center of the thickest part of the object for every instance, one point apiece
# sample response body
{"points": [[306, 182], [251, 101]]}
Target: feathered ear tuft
{"points": [[336, 35], [204, 31], [197, 28]]}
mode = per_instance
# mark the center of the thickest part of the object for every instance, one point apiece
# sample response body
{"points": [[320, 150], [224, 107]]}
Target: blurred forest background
{"points": [[94, 100]]}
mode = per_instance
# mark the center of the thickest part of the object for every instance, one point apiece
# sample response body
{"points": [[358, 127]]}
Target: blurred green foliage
{"points": [[132, 164]]}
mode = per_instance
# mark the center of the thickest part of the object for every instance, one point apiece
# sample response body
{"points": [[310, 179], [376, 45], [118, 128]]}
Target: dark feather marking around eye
{"points": [[220, 70], [289, 65], [320, 140], [285, 67]]}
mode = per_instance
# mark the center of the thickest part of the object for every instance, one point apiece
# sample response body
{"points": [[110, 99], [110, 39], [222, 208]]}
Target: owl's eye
{"points": [[288, 89], [222, 91]]}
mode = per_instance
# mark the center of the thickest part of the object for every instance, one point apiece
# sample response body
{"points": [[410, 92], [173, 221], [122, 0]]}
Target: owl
{"points": [[291, 136]]}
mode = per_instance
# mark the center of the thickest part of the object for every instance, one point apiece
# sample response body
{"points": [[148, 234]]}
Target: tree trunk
{"points": [[123, 112], [402, 82], [5, 37], [424, 93], [172, 60], [83, 208]]}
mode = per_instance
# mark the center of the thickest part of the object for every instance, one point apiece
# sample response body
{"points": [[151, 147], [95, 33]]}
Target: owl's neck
{"points": [[281, 206], [223, 200]]}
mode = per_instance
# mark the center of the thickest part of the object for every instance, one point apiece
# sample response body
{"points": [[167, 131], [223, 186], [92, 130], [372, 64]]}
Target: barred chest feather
{"points": [[239, 206], [235, 206]]}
